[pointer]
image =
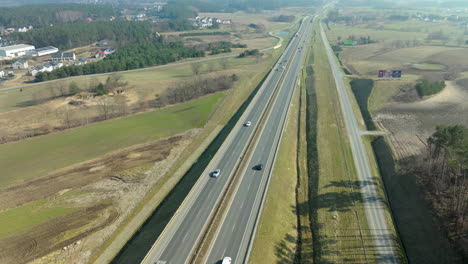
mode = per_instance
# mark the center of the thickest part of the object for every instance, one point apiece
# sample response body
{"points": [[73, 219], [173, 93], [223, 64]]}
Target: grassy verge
{"points": [[307, 156], [362, 89], [37, 156], [18, 219], [338, 219], [275, 241]]}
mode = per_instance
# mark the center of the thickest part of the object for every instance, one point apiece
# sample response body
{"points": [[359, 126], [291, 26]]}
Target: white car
{"points": [[248, 123], [226, 260], [215, 173]]}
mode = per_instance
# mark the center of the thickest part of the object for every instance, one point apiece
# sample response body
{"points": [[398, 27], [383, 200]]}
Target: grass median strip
{"points": [[339, 223]]}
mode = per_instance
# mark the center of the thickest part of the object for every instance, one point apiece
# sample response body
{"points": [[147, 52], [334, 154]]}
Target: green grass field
{"points": [[37, 156], [21, 218], [142, 81]]}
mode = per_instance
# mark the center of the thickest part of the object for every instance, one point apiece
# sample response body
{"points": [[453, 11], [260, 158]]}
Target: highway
{"points": [[378, 224], [238, 228], [177, 242]]}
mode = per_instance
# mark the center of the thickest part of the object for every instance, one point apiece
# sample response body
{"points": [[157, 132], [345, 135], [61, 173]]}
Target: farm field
{"points": [[47, 153], [409, 119], [87, 184]]}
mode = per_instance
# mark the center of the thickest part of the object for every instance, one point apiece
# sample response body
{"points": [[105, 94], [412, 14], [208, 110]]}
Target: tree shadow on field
{"points": [[285, 254], [343, 201]]}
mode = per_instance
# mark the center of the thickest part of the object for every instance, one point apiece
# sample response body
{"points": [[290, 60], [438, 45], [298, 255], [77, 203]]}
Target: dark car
{"points": [[258, 167]]}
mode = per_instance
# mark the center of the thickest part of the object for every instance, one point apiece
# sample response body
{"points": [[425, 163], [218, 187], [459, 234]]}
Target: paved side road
{"points": [[382, 237]]}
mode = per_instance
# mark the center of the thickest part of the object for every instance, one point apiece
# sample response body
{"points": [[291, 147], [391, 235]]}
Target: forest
{"points": [[129, 57], [46, 14], [72, 35], [447, 170]]}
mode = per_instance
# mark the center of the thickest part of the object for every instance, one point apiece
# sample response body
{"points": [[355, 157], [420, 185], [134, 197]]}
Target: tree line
{"points": [[447, 171], [193, 88], [213, 33], [47, 14], [129, 57], [71, 35]]}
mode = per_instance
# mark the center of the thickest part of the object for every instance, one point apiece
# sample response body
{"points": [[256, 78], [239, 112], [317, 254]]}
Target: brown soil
{"points": [[107, 189], [42, 239], [410, 124], [85, 173]]}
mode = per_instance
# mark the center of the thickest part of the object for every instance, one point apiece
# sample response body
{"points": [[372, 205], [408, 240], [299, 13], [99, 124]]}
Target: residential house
{"points": [[65, 56], [83, 60], [57, 65], [101, 53], [20, 64], [36, 70], [48, 67], [45, 68]]}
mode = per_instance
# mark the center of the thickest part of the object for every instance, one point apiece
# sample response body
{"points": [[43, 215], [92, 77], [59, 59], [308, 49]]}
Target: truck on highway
{"points": [[226, 260]]}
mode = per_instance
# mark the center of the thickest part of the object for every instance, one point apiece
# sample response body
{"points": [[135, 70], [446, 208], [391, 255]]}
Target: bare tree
{"points": [[105, 106], [196, 67], [121, 102]]}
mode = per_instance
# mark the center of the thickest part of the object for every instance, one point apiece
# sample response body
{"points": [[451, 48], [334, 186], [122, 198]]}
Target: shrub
{"points": [[426, 87]]}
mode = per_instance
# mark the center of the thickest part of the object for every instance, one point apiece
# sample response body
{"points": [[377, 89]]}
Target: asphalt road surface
{"points": [[238, 229], [176, 244], [382, 237]]}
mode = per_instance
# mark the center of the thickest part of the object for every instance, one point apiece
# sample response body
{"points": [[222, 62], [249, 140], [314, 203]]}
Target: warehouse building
{"points": [[14, 51], [44, 51]]}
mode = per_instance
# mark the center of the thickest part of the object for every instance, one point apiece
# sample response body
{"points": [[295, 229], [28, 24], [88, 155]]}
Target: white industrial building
{"points": [[44, 51], [14, 51]]}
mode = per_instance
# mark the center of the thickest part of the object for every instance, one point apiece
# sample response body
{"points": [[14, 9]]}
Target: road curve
{"points": [[382, 236]]}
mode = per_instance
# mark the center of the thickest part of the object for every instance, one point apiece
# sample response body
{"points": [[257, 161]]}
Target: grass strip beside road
{"points": [[339, 223], [276, 238], [37, 156]]}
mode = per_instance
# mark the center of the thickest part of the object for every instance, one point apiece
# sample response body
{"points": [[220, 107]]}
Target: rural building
{"points": [[44, 51], [103, 43], [48, 67], [57, 65], [65, 56], [38, 69], [101, 53], [20, 64], [14, 51]]}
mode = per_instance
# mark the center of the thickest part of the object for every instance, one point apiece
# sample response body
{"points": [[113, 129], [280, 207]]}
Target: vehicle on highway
{"points": [[248, 123], [258, 167], [215, 173], [226, 260], [283, 67]]}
